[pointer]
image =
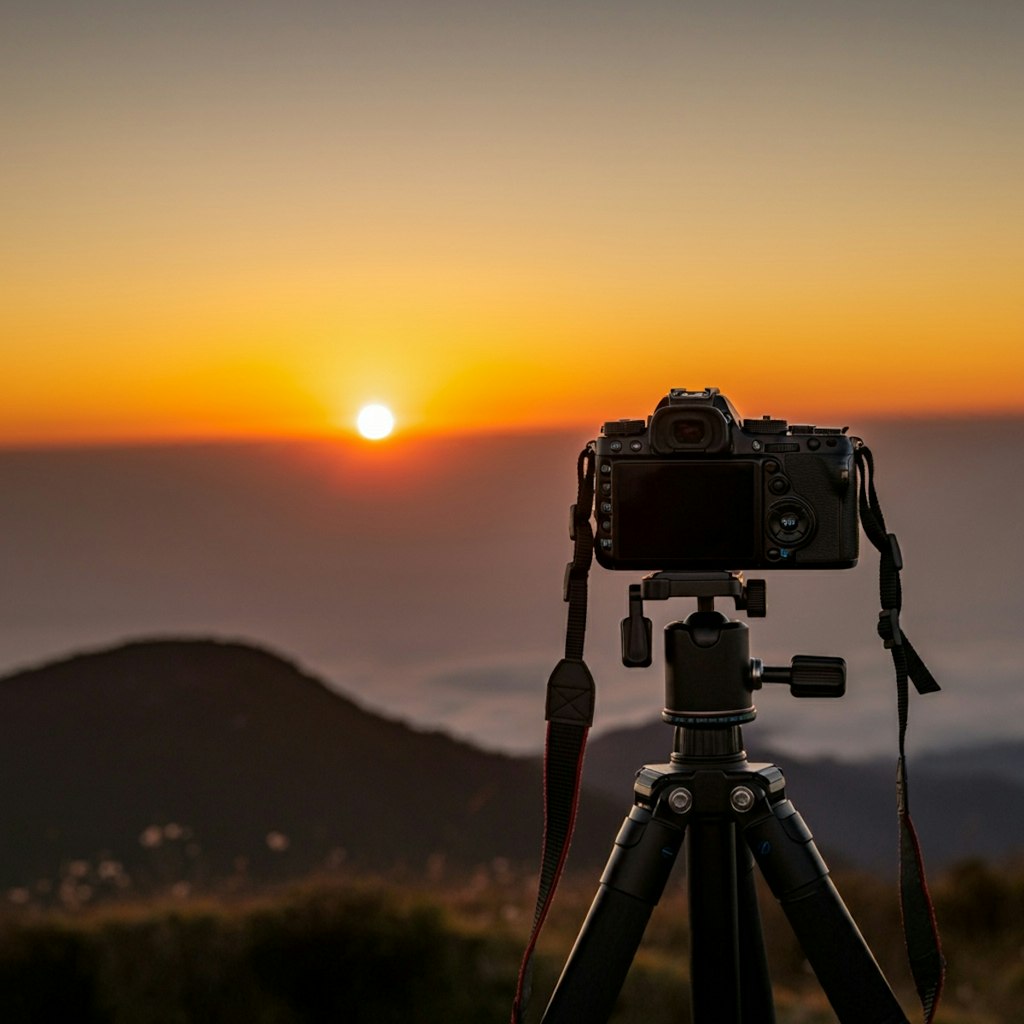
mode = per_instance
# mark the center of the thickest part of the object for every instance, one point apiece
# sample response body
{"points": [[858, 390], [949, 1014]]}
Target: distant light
{"points": [[278, 842], [375, 422]]}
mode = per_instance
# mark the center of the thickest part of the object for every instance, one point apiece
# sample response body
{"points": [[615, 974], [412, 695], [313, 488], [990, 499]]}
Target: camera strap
{"points": [[920, 929], [570, 712]]}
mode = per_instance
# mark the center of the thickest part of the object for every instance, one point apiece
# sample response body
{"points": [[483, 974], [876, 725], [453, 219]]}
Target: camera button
{"points": [[813, 443], [636, 445], [778, 485], [616, 446]]}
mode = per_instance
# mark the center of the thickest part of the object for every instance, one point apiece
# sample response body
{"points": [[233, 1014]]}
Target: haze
{"points": [[428, 585]]}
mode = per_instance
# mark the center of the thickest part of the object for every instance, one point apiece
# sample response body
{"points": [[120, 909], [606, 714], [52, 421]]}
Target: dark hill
{"points": [[200, 760]]}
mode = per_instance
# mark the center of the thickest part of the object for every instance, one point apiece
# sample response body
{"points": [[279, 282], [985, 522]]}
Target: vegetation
{"points": [[323, 953], [350, 950]]}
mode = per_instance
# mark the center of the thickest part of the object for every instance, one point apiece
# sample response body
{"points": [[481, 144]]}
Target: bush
{"points": [[47, 973], [320, 955], [331, 956]]}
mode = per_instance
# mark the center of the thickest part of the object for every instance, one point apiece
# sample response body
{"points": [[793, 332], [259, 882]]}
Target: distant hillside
{"points": [[965, 802], [199, 760], [202, 762]]}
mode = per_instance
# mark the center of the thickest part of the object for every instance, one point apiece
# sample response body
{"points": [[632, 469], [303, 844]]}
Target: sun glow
{"points": [[375, 422]]}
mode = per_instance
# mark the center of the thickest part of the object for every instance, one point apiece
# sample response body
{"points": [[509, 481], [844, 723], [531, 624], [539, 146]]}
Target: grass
{"points": [[356, 950]]}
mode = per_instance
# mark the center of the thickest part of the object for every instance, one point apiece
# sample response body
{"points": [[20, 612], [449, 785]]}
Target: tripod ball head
{"points": [[708, 681]]}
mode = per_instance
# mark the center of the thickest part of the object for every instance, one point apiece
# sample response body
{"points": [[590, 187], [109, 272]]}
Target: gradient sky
{"points": [[249, 218]]}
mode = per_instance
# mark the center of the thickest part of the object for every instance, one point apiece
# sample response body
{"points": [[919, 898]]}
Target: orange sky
{"points": [[253, 222]]}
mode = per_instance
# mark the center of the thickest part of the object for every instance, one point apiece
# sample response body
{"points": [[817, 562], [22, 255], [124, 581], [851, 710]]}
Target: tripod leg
{"points": [[755, 981], [796, 874], [632, 884], [714, 921], [729, 980]]}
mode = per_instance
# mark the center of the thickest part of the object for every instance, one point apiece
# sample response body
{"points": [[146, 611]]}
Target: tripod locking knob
{"points": [[809, 675], [636, 632]]}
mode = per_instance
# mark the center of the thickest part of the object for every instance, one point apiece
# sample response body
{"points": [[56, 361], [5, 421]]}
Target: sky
{"points": [[248, 219]]}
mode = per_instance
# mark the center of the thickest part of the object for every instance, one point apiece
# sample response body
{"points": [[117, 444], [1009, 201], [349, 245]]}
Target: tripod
{"points": [[732, 815]]}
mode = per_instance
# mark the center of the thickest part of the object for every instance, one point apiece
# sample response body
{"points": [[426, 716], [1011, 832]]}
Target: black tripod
{"points": [[733, 814]]}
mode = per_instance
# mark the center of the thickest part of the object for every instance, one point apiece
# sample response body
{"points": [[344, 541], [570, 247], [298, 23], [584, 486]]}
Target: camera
{"points": [[694, 488]]}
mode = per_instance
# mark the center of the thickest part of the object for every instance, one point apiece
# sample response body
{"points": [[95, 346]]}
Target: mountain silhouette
{"points": [[200, 760], [205, 762]]}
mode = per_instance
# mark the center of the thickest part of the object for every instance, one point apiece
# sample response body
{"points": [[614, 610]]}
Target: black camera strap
{"points": [[570, 713], [920, 929]]}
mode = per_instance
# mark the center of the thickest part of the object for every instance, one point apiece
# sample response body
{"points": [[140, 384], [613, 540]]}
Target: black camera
{"points": [[694, 488]]}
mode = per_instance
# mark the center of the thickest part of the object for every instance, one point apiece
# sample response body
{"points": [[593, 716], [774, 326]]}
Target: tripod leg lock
{"points": [[783, 847], [645, 850]]}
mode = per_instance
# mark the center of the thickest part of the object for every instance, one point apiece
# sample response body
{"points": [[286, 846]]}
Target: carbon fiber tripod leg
{"points": [[632, 883], [785, 852]]}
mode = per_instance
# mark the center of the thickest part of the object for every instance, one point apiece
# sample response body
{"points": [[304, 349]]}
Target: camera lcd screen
{"points": [[706, 513]]}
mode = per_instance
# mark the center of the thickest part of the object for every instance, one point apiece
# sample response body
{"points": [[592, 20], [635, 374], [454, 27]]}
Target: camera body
{"points": [[694, 488]]}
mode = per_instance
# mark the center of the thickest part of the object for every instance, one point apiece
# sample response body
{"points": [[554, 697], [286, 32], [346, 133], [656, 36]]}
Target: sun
{"points": [[375, 422]]}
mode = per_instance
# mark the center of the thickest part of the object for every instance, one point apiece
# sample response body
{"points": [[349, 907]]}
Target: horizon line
{"points": [[419, 433]]}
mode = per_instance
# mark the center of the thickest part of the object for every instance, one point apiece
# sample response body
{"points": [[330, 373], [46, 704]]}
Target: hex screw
{"points": [[680, 800], [742, 799]]}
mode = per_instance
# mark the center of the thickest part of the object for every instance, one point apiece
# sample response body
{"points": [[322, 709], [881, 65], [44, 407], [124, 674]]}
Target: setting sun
{"points": [[375, 422]]}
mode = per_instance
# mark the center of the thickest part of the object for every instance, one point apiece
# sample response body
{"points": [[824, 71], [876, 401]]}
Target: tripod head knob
{"points": [[808, 675]]}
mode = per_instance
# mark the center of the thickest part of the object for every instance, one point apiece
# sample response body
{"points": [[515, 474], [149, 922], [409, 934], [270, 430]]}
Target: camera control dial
{"points": [[790, 522], [624, 428], [765, 425]]}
